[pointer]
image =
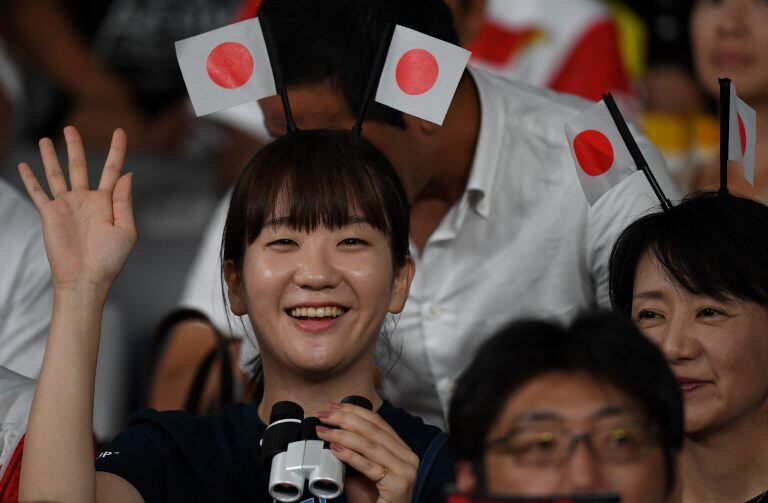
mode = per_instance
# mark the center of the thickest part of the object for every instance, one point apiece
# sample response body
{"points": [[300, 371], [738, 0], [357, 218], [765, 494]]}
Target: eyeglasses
{"points": [[547, 446]]}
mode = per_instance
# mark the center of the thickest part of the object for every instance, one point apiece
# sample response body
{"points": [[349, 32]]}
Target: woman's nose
{"points": [[316, 270], [678, 341], [732, 19]]}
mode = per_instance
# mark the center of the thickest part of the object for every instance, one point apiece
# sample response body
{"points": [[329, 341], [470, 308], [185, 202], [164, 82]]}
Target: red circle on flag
{"points": [[593, 152], [742, 135], [417, 71], [230, 65]]}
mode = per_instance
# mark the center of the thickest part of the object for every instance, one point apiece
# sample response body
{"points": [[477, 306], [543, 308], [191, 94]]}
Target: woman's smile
{"points": [[316, 317]]}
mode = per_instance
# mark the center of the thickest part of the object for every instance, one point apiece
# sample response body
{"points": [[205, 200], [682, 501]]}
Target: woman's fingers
{"points": [[369, 417], [53, 173], [35, 191], [372, 452], [115, 160], [122, 204], [367, 438], [372, 471], [78, 171]]}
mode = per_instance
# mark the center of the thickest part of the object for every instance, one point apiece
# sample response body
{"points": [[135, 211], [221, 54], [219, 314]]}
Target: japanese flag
{"points": [[742, 135], [602, 159], [421, 74], [226, 67]]}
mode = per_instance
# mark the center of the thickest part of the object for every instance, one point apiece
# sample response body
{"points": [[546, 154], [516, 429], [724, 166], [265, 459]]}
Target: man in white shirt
{"points": [[500, 228]]}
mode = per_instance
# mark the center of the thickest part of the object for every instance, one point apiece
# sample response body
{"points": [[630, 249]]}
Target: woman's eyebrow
{"points": [[648, 294]]}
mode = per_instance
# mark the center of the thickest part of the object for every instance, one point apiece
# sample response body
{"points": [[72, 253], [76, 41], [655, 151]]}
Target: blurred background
{"points": [[100, 64]]}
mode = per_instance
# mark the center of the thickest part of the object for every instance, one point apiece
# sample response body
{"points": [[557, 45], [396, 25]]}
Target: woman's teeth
{"points": [[316, 312]]}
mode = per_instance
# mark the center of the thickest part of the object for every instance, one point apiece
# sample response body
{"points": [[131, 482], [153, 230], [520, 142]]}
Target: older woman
{"points": [[695, 281]]}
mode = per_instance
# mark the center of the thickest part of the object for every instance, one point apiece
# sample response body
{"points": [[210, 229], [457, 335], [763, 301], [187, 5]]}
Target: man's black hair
{"points": [[605, 345], [711, 244], [336, 41]]}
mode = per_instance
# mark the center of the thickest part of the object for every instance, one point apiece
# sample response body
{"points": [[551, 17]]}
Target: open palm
{"points": [[88, 233]]}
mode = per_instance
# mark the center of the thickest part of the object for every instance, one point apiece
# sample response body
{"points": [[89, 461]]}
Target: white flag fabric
{"points": [[600, 154], [742, 135], [421, 74], [226, 67]]}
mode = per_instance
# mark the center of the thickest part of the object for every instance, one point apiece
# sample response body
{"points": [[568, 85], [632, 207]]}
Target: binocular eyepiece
{"points": [[295, 456]]}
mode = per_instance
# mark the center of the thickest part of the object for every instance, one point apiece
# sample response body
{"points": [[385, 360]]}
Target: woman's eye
{"points": [[710, 312], [647, 315], [352, 242], [282, 242]]}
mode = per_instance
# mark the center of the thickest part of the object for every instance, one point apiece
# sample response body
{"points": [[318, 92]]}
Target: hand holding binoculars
{"points": [[295, 456]]}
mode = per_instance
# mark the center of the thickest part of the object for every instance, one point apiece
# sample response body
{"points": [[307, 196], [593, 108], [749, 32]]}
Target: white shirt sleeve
{"points": [[26, 293], [619, 207], [16, 392]]}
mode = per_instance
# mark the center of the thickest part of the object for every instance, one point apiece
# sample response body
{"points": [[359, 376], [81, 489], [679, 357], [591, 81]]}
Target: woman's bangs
{"points": [[310, 195]]}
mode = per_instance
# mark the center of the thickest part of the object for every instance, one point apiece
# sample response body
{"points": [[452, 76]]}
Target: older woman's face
{"points": [[718, 350], [729, 39]]}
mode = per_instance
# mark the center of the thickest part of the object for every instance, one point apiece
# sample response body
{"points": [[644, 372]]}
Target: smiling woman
{"points": [[315, 252], [695, 281]]}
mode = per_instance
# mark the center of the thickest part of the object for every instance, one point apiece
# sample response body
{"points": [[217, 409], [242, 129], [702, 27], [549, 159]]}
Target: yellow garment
{"points": [[633, 39]]}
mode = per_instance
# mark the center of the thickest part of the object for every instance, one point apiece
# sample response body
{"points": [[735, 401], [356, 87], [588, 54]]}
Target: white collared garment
{"points": [[16, 393], [26, 292], [521, 242]]}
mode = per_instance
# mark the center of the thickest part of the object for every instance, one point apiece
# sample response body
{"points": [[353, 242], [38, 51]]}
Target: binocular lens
{"points": [[285, 492], [324, 488]]}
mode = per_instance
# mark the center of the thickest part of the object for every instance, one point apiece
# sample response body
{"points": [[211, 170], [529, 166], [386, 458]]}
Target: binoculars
{"points": [[295, 456]]}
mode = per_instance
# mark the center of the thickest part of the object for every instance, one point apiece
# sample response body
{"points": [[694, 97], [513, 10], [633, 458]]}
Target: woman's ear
{"points": [[465, 476], [401, 286], [235, 290]]}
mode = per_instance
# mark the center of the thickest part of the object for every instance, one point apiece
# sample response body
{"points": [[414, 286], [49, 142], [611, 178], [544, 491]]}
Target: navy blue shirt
{"points": [[175, 456]]}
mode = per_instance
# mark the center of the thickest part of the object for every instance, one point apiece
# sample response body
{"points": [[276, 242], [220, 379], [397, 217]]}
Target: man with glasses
{"points": [[545, 410]]}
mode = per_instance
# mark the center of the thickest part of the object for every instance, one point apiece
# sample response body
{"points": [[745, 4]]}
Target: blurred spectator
{"points": [[536, 390], [730, 39], [574, 51], [25, 288], [16, 392], [675, 114], [10, 93], [113, 64]]}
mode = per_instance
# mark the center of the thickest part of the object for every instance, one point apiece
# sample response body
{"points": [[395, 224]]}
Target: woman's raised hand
{"points": [[88, 233]]}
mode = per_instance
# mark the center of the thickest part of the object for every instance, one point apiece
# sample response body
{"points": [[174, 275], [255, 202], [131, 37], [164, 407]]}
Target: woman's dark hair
{"points": [[604, 345], [711, 244], [312, 179]]}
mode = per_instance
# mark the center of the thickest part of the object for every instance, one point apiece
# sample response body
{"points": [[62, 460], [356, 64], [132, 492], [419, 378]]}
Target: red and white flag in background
{"points": [[742, 134], [601, 156], [571, 46], [421, 74], [226, 67]]}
